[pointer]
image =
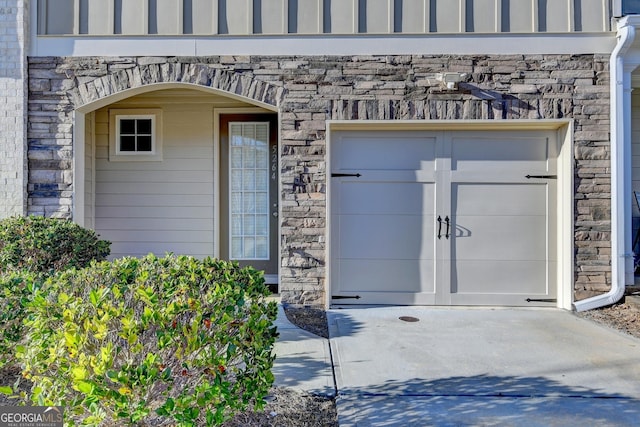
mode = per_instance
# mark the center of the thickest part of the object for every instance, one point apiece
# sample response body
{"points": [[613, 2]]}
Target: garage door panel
{"points": [[375, 198], [399, 237], [506, 199], [499, 277], [384, 151], [384, 229], [389, 276], [500, 237], [499, 154]]}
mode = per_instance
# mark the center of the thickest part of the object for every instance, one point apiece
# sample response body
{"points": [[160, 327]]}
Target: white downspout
{"points": [[620, 116]]}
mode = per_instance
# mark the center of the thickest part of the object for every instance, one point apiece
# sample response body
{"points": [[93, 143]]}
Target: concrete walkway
{"points": [[465, 367], [303, 360]]}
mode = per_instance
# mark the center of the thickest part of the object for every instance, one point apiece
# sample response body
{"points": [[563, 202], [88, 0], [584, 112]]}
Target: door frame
{"points": [[564, 194], [217, 112]]}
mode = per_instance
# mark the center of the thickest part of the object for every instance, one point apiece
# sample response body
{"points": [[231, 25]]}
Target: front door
{"points": [[249, 191]]}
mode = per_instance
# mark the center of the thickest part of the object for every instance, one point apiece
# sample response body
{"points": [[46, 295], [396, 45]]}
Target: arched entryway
{"points": [[153, 172]]}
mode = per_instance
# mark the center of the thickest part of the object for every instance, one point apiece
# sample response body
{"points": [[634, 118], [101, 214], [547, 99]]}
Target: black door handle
{"points": [[448, 227], [439, 227]]}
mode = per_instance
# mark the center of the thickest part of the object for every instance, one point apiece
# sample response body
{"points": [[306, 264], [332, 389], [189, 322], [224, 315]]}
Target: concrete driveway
{"points": [[481, 367]]}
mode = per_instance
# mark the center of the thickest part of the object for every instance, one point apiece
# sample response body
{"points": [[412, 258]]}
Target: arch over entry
{"points": [[124, 83]]}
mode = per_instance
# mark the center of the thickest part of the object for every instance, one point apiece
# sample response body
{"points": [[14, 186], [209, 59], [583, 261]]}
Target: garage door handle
{"points": [[439, 227], [448, 227]]}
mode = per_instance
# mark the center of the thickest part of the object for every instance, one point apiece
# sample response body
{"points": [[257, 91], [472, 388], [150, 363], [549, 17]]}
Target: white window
{"points": [[134, 135], [249, 190]]}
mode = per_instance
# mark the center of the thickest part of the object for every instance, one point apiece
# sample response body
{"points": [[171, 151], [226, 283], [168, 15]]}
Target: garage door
{"points": [[448, 218]]}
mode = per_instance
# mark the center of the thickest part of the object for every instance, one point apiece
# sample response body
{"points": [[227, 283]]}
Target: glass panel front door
{"points": [[249, 190]]}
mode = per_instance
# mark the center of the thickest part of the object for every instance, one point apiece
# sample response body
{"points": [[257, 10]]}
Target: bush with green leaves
{"points": [[44, 245], [136, 339], [30, 249], [16, 289]]}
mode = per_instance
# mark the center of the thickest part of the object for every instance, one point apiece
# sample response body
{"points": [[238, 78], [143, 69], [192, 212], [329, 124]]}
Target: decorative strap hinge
{"points": [[338, 175], [542, 176]]}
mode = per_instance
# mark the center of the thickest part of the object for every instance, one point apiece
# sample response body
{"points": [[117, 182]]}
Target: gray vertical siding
{"points": [[244, 17]]}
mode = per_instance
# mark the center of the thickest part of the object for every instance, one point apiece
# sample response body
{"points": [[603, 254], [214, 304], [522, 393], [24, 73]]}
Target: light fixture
{"points": [[448, 80]]}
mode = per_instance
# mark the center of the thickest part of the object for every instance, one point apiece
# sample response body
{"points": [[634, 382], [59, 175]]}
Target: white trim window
{"points": [[134, 135]]}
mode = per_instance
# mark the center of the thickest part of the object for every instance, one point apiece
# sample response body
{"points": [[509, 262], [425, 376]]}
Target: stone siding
{"points": [[308, 91], [13, 107]]}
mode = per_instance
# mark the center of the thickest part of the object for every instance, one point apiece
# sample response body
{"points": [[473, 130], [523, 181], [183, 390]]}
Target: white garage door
{"points": [[451, 218]]}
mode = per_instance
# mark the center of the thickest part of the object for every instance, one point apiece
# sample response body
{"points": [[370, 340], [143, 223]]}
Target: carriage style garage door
{"points": [[446, 217]]}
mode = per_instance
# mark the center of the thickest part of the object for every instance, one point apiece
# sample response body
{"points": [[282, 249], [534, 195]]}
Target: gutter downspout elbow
{"points": [[626, 36]]}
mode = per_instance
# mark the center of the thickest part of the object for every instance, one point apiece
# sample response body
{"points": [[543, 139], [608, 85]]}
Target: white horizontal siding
{"points": [[151, 188], [159, 201], [152, 224], [159, 206], [193, 213], [174, 154], [167, 237], [147, 174]]}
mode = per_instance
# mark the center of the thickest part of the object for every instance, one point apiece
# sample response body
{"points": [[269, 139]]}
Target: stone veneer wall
{"points": [[310, 90], [13, 107]]}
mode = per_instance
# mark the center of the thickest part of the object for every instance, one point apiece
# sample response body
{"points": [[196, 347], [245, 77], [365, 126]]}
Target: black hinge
{"points": [[542, 176], [541, 300], [337, 175], [345, 297]]}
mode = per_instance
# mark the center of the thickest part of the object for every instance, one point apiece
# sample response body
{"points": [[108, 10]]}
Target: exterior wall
{"points": [[244, 17], [89, 170], [635, 162], [163, 206], [635, 147], [311, 90], [13, 106]]}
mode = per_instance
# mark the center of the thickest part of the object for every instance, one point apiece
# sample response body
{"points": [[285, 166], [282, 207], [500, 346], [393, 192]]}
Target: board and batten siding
{"points": [[248, 17], [159, 206]]}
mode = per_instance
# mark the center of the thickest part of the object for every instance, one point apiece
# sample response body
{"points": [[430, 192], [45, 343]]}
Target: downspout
{"points": [[620, 117]]}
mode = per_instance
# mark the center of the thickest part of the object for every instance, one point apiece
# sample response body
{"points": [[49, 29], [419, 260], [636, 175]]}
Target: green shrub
{"points": [[173, 337], [16, 289], [44, 245], [31, 248]]}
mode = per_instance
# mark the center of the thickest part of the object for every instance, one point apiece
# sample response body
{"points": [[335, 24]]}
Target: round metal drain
{"points": [[410, 319]]}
